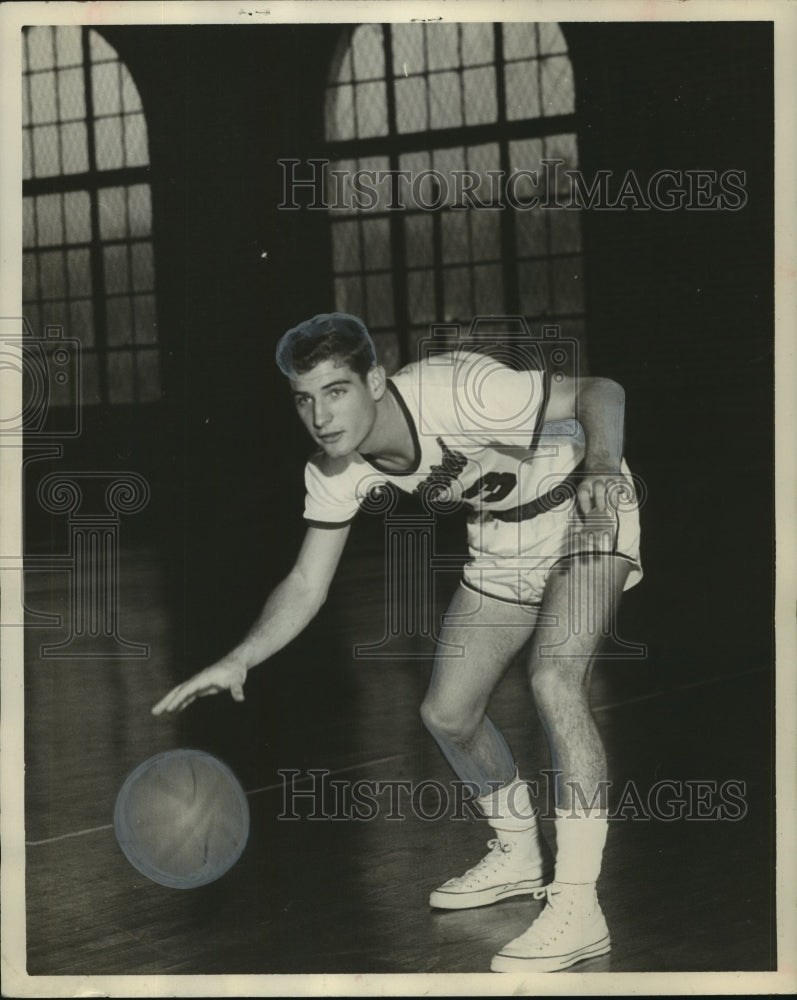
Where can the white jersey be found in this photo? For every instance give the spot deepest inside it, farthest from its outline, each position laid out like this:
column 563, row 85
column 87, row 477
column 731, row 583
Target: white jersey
column 479, row 441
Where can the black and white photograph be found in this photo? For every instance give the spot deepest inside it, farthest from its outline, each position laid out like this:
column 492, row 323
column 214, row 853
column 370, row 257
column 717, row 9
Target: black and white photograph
column 397, row 552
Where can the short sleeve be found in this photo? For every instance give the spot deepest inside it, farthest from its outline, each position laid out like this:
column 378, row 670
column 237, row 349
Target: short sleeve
column 330, row 500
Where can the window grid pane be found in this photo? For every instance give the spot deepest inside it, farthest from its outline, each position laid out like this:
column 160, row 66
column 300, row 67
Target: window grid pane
column 346, row 251
column 79, row 273
column 522, row 92
column 458, row 293
column 68, row 48
column 379, row 299
column 121, row 373
column 116, row 268
column 74, row 148
column 81, row 321
column 340, row 113
column 39, row 49
column 455, row 262
column 412, row 104
column 445, row 92
column 141, row 266
column 368, row 54
column 408, row 54
column 77, row 218
column 480, row 98
column 420, row 285
column 551, row 39
column 520, row 41
column 119, row 314
column 139, row 210
column 109, row 143
column 418, row 239
column 350, row 296
column 376, row 244
column 121, row 359
column 478, row 44
column 135, row 134
column 556, row 82
column 72, row 99
column 370, row 109
column 442, row 46
column 42, row 97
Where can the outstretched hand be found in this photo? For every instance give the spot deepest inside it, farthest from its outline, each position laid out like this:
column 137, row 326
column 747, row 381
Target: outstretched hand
column 226, row 675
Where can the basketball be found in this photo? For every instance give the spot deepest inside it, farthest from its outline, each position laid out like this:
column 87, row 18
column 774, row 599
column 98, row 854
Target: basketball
column 182, row 818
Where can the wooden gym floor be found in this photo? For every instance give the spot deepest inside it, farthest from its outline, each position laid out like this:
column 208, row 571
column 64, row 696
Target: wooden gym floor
column 337, row 896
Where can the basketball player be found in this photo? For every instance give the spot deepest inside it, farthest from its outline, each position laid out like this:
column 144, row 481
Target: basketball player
column 546, row 573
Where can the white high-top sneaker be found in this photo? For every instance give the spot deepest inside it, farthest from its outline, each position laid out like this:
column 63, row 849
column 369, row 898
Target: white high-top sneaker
column 570, row 929
column 518, row 862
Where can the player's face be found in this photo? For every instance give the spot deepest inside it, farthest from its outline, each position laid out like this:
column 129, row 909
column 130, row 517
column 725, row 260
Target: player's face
column 336, row 406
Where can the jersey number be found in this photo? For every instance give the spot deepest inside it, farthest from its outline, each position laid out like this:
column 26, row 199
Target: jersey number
column 492, row 487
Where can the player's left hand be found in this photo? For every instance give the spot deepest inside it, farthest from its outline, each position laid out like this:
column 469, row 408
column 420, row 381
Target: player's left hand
column 600, row 493
column 598, row 496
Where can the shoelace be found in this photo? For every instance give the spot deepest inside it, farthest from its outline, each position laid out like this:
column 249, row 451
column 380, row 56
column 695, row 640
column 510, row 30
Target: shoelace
column 496, row 847
column 546, row 892
column 549, row 925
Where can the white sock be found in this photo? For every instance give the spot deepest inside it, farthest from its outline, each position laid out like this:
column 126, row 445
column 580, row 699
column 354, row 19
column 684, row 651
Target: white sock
column 580, row 839
column 509, row 808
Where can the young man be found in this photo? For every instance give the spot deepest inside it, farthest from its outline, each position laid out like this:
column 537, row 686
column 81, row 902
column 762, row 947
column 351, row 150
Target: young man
column 546, row 571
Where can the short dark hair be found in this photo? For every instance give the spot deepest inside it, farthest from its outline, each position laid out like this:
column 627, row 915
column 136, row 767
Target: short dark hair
column 336, row 335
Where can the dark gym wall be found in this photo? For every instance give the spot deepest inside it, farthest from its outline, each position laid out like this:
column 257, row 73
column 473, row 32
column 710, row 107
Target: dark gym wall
column 679, row 310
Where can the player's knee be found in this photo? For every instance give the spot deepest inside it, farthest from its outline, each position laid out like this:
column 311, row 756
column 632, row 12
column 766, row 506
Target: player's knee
column 441, row 721
column 554, row 677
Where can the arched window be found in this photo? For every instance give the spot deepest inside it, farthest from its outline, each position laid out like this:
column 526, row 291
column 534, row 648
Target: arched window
column 456, row 106
column 87, row 225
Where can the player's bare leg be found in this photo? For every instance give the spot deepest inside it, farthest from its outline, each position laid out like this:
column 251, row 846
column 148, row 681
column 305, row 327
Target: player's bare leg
column 490, row 633
column 581, row 597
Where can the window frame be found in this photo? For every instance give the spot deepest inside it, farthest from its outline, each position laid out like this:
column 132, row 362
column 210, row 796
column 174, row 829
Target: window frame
column 91, row 181
column 502, row 132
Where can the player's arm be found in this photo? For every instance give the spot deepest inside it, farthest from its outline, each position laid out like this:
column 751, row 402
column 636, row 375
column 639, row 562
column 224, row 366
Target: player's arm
column 290, row 607
column 599, row 406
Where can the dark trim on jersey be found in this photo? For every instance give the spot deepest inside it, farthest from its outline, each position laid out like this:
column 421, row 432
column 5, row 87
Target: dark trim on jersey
column 413, row 431
column 546, row 392
column 328, row 524
column 495, row 597
column 549, row 501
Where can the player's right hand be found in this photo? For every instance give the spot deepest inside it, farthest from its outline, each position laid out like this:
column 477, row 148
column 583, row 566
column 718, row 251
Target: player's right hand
column 228, row 674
